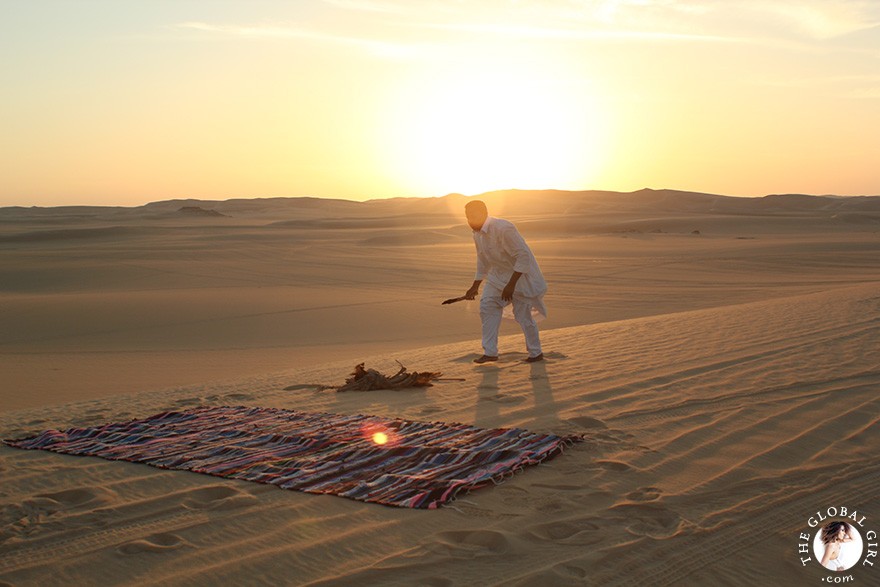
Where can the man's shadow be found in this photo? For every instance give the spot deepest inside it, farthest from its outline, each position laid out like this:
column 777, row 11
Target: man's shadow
column 487, row 411
column 490, row 399
column 545, row 410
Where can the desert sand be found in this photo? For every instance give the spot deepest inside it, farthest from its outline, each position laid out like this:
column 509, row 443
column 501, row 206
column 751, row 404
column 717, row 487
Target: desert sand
column 718, row 354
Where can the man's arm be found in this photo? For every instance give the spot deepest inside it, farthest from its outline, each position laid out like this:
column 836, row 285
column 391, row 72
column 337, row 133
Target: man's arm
column 474, row 290
column 515, row 246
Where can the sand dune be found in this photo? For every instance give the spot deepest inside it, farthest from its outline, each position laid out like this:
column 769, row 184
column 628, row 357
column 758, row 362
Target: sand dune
column 725, row 383
column 119, row 300
column 711, row 434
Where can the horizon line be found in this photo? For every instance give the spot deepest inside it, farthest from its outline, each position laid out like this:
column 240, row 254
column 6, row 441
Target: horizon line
column 451, row 194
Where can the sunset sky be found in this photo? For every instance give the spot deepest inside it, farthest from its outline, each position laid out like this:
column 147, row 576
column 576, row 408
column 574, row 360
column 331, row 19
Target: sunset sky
column 125, row 102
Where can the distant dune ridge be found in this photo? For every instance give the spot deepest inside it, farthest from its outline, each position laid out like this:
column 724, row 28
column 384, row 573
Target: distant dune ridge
column 717, row 353
column 517, row 201
column 561, row 211
column 198, row 211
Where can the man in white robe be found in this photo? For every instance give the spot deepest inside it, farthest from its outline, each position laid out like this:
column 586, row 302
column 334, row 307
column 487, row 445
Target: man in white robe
column 513, row 278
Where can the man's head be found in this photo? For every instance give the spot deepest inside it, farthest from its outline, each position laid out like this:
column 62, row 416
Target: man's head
column 476, row 213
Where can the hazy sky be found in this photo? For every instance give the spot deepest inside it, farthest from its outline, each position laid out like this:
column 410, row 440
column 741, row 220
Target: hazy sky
column 129, row 101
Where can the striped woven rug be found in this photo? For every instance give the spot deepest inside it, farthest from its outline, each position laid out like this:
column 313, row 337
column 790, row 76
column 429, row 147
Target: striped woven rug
column 394, row 462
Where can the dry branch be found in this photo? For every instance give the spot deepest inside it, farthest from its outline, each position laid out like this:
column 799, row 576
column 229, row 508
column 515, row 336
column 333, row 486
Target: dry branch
column 369, row 379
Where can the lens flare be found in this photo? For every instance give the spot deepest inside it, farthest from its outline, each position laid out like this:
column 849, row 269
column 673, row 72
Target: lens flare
column 379, row 434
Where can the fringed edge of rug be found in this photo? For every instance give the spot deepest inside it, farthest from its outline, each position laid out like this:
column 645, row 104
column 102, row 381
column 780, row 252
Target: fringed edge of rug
column 565, row 442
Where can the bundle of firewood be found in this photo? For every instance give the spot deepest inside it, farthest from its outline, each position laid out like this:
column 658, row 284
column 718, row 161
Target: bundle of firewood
column 369, row 379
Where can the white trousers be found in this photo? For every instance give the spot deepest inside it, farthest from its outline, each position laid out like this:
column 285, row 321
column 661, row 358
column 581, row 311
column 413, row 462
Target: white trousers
column 491, row 310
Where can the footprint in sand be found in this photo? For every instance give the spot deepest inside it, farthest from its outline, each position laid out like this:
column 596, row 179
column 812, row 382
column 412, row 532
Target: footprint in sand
column 81, row 497
column 579, row 532
column 551, row 506
column 32, row 513
column 610, row 466
column 547, row 503
column 648, row 519
column 13, row 518
column 34, row 508
column 569, row 571
column 217, row 497
column 155, row 543
column 470, row 543
column 239, row 396
column 644, row 494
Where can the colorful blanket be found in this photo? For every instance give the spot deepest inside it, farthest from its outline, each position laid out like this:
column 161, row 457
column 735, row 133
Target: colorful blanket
column 395, row 462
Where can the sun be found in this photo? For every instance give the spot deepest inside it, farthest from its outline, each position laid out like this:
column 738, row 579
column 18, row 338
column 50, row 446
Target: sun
column 485, row 128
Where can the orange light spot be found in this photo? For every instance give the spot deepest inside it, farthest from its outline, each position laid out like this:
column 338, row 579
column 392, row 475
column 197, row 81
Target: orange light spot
column 380, row 438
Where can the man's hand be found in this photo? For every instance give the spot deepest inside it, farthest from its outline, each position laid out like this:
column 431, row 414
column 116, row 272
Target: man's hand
column 507, row 292
column 472, row 292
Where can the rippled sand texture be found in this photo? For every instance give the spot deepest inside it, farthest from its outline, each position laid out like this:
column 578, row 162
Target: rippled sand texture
column 726, row 383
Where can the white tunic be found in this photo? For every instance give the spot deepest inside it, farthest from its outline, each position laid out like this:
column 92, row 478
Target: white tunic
column 501, row 250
